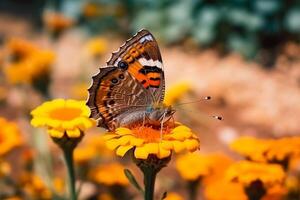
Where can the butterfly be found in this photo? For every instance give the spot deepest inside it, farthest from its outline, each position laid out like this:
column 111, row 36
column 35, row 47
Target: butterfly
column 130, row 88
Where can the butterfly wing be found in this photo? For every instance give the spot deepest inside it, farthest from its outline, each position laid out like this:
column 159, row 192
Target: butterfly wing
column 114, row 92
column 141, row 57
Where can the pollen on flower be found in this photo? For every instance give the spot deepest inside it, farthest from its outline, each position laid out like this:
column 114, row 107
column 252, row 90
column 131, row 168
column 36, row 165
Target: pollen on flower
column 146, row 140
column 150, row 134
column 65, row 113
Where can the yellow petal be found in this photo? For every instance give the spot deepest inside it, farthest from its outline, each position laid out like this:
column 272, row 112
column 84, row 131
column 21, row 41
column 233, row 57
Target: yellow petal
column 163, row 153
column 109, row 136
column 124, row 140
column 112, row 144
column 123, row 131
column 180, row 129
column 140, row 153
column 136, row 141
column 151, row 148
column 178, row 146
column 181, row 135
column 75, row 133
column 55, row 133
column 192, row 145
column 168, row 145
column 122, row 150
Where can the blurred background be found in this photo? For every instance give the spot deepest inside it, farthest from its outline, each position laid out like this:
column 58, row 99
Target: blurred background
column 245, row 54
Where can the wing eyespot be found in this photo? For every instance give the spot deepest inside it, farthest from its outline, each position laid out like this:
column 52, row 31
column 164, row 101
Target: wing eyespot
column 114, row 81
column 121, row 76
column 123, row 65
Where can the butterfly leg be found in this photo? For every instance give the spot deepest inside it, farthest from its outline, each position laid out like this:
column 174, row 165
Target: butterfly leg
column 162, row 125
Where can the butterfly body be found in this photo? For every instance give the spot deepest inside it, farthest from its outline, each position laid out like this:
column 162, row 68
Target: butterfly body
column 130, row 89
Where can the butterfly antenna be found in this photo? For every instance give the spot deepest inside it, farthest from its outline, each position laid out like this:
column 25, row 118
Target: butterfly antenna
column 202, row 99
column 220, row 118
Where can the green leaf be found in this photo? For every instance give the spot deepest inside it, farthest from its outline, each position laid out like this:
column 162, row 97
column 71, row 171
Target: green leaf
column 132, row 180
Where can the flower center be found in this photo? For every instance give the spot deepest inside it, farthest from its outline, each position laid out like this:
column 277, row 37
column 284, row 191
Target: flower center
column 65, row 113
column 149, row 134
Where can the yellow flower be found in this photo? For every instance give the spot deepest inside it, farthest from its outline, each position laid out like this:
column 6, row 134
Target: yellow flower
column 268, row 150
column 92, row 147
column 174, row 93
column 10, row 136
column 5, row 168
column 252, row 148
column 109, row 174
column 84, row 154
column 79, row 91
column 246, row 172
column 201, row 163
column 283, row 148
column 145, row 140
column 96, row 46
column 34, row 186
column 219, row 164
column 57, row 22
column 30, row 68
column 173, row 196
column 224, row 190
column 20, row 48
column 62, row 117
column 277, row 192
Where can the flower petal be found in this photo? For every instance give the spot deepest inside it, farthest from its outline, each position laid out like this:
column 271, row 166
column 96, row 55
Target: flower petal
column 75, row 133
column 112, row 144
column 141, row 153
column 56, row 133
column 122, row 150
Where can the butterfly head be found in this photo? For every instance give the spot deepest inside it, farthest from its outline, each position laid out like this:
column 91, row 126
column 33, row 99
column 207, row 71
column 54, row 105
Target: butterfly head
column 159, row 113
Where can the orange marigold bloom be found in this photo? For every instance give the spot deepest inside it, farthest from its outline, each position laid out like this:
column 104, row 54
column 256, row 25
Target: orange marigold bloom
column 109, row 174
column 175, row 92
column 30, row 68
column 93, row 146
column 246, row 172
column 10, row 136
column 283, row 148
column 5, row 168
column 20, row 48
column 201, row 163
column 57, row 22
column 252, row 148
column 173, row 196
column 34, row 186
column 224, row 190
column 145, row 140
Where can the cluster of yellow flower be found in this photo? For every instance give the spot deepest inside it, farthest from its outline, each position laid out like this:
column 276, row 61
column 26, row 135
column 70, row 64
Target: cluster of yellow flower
column 26, row 62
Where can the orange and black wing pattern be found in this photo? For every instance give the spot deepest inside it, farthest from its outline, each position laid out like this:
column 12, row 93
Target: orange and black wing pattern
column 140, row 56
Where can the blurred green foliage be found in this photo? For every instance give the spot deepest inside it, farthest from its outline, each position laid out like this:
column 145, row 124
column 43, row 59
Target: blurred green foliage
column 243, row 26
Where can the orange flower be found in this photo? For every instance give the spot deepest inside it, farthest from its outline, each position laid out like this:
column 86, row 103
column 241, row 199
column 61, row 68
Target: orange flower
column 251, row 148
column 145, row 140
column 57, row 22
column 20, row 48
column 109, row 174
column 173, row 196
column 224, row 190
column 246, row 172
column 200, row 162
column 10, row 136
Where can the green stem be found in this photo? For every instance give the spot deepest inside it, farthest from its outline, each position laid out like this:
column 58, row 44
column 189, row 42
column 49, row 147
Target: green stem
column 192, row 188
column 149, row 181
column 68, row 154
